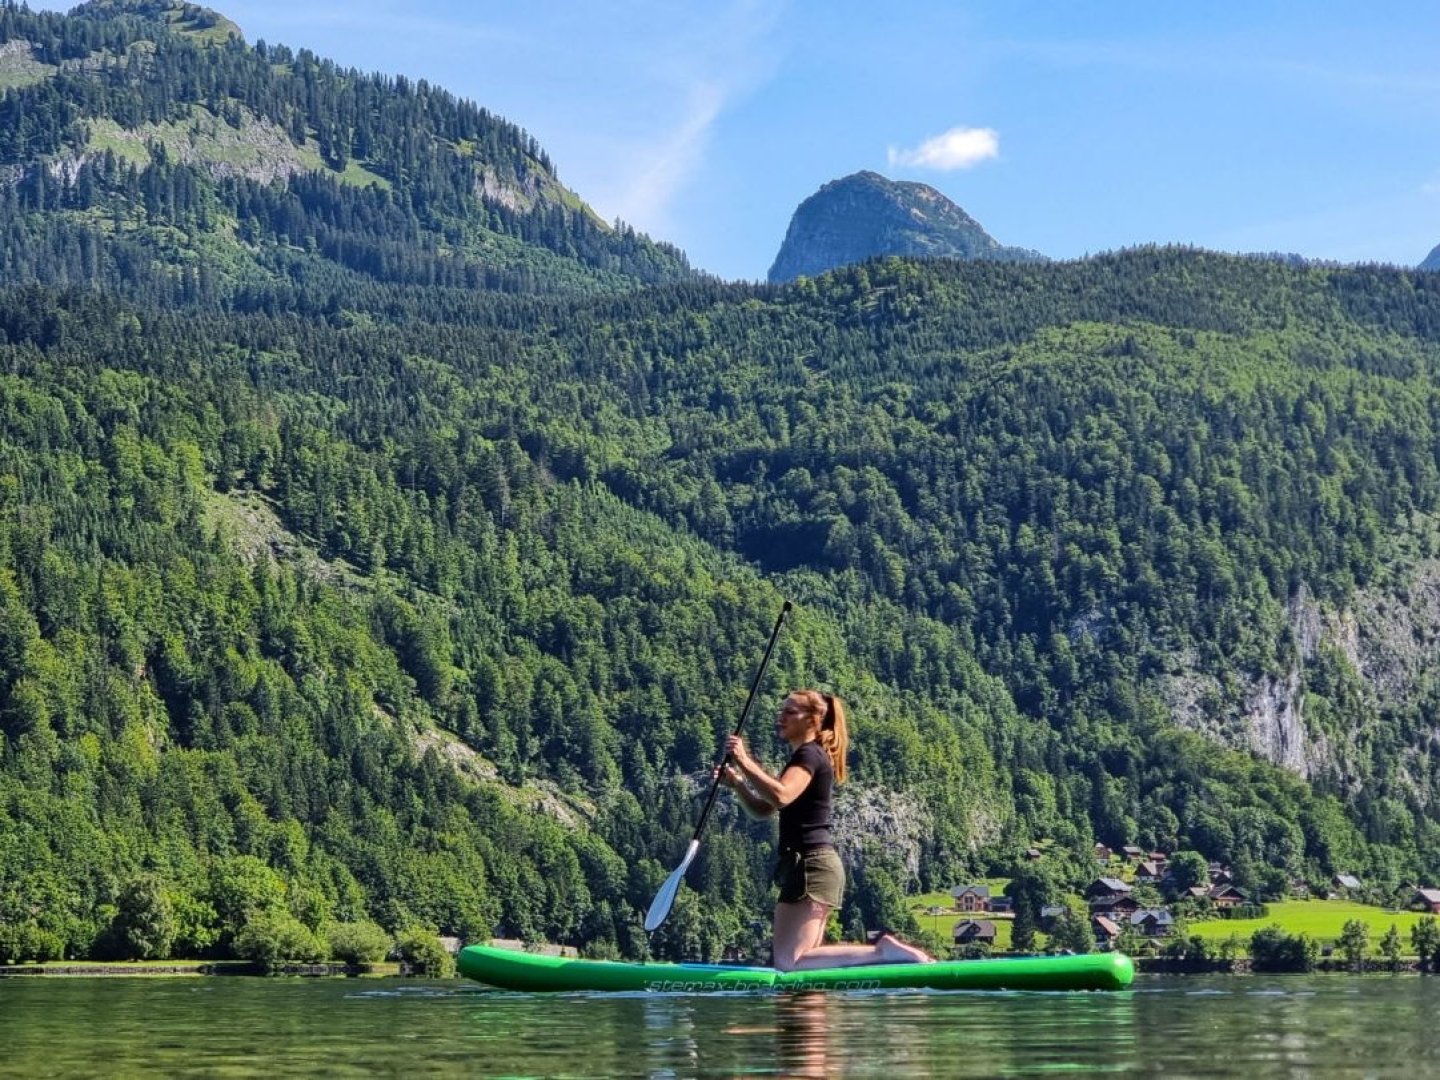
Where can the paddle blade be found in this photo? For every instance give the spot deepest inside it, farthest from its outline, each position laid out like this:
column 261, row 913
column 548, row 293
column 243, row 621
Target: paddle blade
column 660, row 906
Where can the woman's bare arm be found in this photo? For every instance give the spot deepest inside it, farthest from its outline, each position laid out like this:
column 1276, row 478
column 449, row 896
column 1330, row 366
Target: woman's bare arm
column 750, row 800
column 778, row 791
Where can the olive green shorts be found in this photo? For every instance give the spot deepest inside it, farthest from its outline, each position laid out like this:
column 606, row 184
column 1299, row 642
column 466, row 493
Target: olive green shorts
column 816, row 875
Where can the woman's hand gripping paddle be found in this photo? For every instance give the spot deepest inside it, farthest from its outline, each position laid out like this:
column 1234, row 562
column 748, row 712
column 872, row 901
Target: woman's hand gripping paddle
column 660, row 906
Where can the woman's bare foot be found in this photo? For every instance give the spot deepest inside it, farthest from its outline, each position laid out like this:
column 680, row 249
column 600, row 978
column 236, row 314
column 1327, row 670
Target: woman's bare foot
column 895, row 951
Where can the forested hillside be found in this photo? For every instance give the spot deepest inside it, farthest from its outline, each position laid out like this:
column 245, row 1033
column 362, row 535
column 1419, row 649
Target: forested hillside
column 143, row 147
column 430, row 605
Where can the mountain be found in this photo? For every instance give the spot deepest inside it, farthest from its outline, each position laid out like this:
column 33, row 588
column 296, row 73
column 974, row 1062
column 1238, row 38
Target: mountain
column 864, row 215
column 1432, row 261
column 338, row 589
column 145, row 144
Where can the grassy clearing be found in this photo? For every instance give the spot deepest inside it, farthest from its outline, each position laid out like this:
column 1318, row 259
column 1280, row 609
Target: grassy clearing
column 257, row 148
column 19, row 68
column 924, row 901
column 943, row 925
column 358, row 175
column 193, row 27
column 1321, row 919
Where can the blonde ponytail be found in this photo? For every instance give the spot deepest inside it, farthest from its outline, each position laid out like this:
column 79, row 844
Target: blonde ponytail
column 834, row 733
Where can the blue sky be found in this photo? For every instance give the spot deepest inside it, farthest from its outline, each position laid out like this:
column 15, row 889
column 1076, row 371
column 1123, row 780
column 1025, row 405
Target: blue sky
column 1068, row 127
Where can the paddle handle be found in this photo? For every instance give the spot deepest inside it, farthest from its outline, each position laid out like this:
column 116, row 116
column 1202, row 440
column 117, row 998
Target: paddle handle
column 744, row 713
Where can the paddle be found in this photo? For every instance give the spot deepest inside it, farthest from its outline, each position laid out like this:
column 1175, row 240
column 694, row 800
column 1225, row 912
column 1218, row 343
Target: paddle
column 660, row 906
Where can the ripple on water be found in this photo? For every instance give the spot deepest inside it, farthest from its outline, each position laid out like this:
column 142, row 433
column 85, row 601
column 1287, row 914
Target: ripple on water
column 1193, row 1026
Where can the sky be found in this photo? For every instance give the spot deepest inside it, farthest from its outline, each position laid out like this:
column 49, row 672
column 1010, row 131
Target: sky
column 1299, row 126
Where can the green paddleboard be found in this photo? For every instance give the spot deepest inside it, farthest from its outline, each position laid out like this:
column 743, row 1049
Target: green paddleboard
column 512, row 970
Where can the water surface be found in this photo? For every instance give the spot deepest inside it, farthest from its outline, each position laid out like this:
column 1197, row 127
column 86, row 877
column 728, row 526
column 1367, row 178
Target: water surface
column 1296, row 1026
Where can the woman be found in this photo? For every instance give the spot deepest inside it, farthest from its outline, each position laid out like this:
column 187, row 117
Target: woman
column 809, row 872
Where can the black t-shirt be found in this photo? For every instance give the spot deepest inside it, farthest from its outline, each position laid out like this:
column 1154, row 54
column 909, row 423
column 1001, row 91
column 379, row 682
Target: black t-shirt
column 805, row 823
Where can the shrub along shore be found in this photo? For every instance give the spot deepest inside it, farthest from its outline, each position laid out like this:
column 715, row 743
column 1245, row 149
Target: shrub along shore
column 206, row 967
column 1145, row 965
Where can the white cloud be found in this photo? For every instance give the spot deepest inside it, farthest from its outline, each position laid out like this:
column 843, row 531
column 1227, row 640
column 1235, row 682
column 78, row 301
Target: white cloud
column 662, row 167
column 685, row 73
column 958, row 148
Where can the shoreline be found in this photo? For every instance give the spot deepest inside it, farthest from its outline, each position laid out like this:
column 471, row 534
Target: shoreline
column 195, row 968
column 391, row 970
column 379, row 969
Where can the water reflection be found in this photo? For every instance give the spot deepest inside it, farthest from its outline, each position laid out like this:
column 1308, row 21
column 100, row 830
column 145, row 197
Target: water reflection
column 1005, row 1034
column 816, row 1035
column 802, row 1034
column 796, row 1044
column 1256, row 1027
column 671, row 1035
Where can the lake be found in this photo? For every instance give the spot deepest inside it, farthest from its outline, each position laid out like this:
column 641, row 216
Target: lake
column 1171, row 1026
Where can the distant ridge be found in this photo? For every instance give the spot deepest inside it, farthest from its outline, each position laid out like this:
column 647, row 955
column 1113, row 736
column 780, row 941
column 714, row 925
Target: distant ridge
column 145, row 146
column 1432, row 261
column 865, row 214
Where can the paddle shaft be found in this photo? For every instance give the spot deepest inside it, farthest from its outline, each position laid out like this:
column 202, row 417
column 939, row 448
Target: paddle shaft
column 744, row 713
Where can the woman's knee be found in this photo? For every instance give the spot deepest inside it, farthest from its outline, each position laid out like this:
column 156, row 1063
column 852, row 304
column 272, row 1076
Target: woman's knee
column 786, row 958
column 799, row 927
column 786, row 948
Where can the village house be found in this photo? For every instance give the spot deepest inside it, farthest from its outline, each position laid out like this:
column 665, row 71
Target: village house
column 1102, row 853
column 1148, row 873
column 1115, row 906
column 1346, row 883
column 1001, row 905
column 1220, row 875
column 1427, row 900
column 1227, row 896
column 971, row 897
column 1153, row 922
column 1132, row 853
column 974, row 932
column 1106, row 888
column 1106, row 931
column 1051, row 914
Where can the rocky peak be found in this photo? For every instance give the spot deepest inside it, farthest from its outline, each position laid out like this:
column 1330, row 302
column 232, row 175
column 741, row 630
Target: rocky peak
column 864, row 215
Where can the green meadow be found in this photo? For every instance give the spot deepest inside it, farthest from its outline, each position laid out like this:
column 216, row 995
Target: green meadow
column 943, row 925
column 1321, row 919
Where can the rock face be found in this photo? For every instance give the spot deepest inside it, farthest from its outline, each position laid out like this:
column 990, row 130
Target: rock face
column 1432, row 261
column 1385, row 640
column 864, row 215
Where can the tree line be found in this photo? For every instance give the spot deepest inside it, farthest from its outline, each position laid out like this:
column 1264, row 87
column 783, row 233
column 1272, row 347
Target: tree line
column 346, row 583
column 331, row 611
